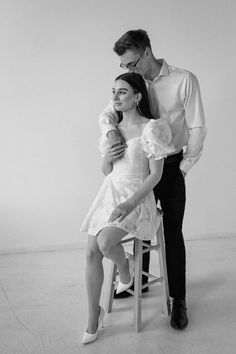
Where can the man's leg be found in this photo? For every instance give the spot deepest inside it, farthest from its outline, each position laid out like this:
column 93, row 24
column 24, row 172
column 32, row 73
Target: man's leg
column 171, row 192
column 173, row 212
column 146, row 261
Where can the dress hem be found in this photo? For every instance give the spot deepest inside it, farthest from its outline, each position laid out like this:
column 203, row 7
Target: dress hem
column 95, row 233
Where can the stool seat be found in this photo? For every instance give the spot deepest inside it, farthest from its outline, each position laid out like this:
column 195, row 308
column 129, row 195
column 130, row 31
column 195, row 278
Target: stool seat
column 141, row 247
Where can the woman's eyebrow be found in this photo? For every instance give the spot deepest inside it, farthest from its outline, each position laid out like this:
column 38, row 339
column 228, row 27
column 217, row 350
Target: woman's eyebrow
column 119, row 89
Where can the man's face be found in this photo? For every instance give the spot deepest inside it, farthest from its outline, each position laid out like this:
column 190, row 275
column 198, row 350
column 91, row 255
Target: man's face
column 134, row 61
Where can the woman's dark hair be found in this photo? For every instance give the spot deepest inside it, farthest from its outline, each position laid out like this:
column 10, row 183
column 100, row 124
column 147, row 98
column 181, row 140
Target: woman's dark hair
column 132, row 40
column 138, row 85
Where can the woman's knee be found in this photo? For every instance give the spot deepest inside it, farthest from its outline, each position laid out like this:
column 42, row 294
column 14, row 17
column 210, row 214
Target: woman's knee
column 93, row 253
column 105, row 245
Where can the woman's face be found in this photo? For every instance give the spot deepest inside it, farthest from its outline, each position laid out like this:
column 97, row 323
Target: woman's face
column 123, row 96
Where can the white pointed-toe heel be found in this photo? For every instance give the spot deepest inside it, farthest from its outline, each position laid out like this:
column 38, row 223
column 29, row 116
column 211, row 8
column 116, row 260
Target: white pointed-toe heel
column 91, row 337
column 121, row 286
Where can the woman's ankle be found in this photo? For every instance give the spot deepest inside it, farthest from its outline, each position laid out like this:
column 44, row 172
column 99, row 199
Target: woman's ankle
column 93, row 321
column 124, row 273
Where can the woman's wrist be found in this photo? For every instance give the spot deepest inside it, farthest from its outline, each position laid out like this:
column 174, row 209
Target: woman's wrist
column 133, row 202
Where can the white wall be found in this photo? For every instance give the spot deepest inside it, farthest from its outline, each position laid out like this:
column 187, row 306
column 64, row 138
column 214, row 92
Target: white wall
column 56, row 71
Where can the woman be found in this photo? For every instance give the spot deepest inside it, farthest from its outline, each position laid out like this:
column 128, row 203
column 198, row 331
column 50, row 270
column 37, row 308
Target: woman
column 125, row 203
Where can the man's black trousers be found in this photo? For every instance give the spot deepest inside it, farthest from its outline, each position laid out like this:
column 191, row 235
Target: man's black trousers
column 170, row 191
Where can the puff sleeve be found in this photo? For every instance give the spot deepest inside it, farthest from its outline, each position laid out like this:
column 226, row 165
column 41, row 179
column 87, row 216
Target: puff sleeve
column 156, row 139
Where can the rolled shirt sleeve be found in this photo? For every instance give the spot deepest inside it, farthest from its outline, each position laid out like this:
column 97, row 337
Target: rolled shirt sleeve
column 195, row 120
column 108, row 119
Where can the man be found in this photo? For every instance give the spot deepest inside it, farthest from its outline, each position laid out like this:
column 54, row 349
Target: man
column 175, row 95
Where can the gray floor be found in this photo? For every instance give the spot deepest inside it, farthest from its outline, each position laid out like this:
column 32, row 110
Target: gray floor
column 43, row 306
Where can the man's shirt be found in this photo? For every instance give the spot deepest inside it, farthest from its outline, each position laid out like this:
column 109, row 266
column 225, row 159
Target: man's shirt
column 174, row 95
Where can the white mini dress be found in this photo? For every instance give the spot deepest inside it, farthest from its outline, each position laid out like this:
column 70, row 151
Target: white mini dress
column 127, row 175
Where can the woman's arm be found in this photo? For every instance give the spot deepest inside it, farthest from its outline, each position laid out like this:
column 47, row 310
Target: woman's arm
column 107, row 166
column 122, row 210
column 156, row 168
column 112, row 153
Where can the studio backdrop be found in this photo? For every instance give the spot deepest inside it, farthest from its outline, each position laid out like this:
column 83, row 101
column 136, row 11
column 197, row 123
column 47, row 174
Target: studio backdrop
column 57, row 69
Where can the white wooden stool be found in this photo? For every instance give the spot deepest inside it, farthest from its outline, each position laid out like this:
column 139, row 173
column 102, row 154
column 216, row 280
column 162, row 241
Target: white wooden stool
column 138, row 257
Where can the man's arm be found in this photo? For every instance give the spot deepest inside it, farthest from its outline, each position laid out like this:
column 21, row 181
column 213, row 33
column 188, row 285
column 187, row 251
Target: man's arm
column 108, row 121
column 195, row 120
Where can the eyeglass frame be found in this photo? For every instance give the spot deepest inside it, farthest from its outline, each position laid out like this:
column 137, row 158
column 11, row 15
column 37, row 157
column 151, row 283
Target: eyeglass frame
column 126, row 66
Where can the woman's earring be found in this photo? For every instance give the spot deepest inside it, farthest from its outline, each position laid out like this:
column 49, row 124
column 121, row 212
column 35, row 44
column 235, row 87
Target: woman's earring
column 138, row 108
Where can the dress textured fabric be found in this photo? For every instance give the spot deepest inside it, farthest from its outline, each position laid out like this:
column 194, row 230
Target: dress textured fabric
column 127, row 175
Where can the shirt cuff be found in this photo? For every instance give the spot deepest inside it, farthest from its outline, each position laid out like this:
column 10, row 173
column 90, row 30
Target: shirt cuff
column 108, row 128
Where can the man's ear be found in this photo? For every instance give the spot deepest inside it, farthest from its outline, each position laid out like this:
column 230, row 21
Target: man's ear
column 148, row 52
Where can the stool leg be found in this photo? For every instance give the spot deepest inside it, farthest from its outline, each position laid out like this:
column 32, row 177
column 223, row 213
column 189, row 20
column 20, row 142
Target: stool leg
column 163, row 270
column 111, row 287
column 138, row 285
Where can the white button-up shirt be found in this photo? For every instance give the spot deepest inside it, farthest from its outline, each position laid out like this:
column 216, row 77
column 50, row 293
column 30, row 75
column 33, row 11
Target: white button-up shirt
column 174, row 95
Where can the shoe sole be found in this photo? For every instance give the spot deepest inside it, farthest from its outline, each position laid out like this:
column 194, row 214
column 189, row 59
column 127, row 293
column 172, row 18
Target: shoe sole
column 178, row 328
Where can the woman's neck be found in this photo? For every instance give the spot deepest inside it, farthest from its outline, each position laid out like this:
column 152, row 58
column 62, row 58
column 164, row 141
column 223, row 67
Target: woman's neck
column 130, row 118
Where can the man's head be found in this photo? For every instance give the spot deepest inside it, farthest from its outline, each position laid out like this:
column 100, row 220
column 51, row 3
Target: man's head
column 135, row 51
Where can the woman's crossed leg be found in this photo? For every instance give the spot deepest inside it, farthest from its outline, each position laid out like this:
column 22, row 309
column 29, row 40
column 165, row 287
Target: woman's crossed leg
column 106, row 244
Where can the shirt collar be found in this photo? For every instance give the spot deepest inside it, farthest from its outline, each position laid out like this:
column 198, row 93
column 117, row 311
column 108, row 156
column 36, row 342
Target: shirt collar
column 164, row 69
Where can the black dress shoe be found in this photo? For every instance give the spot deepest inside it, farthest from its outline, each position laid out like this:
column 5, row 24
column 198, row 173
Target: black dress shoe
column 125, row 294
column 179, row 319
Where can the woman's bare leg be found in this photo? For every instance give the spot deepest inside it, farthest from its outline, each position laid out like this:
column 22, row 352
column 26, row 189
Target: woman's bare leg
column 94, row 281
column 109, row 243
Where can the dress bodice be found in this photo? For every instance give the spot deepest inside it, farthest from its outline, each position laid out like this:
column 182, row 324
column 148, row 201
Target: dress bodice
column 134, row 162
column 154, row 141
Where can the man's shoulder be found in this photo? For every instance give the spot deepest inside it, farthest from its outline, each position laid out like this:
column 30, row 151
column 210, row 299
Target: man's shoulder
column 180, row 72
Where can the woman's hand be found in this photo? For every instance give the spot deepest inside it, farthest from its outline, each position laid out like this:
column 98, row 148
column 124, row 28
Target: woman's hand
column 114, row 152
column 121, row 211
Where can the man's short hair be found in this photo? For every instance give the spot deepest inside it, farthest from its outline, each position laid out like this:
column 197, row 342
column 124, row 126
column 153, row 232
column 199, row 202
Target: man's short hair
column 132, row 40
